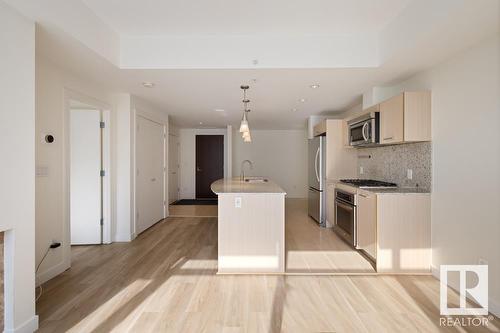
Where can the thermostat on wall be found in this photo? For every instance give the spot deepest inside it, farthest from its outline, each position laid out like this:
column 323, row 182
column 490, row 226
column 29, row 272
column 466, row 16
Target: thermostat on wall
column 48, row 138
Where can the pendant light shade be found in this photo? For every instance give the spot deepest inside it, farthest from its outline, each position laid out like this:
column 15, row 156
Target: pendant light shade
column 244, row 123
column 244, row 127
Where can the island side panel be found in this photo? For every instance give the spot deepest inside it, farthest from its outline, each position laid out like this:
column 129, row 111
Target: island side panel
column 251, row 238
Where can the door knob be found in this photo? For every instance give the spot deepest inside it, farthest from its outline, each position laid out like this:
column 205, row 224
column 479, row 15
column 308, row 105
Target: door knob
column 198, row 169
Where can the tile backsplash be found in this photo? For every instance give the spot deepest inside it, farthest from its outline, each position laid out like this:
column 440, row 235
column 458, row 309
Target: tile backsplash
column 390, row 163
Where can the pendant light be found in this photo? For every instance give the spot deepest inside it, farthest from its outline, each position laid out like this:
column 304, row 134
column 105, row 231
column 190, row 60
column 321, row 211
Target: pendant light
column 244, row 127
column 244, row 123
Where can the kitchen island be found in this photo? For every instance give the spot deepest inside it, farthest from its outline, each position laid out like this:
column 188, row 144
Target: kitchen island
column 251, row 226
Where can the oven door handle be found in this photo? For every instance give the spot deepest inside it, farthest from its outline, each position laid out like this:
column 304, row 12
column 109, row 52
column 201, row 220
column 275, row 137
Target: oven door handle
column 364, row 131
column 346, row 205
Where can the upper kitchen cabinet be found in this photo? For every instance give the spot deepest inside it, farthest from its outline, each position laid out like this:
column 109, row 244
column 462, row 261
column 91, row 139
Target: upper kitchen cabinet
column 406, row 118
column 320, row 129
column 341, row 162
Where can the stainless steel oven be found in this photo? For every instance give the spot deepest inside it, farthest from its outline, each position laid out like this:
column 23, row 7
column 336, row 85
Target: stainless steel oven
column 345, row 216
column 364, row 130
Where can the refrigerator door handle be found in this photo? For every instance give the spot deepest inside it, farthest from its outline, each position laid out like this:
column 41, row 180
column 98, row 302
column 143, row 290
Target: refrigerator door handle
column 316, row 164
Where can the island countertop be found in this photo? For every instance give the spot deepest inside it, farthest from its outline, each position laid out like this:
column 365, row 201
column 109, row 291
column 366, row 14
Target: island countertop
column 235, row 185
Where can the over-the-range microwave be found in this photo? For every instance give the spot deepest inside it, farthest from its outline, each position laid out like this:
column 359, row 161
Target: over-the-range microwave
column 364, row 130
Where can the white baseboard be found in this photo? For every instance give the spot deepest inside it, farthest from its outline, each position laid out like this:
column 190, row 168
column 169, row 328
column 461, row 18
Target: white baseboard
column 123, row 238
column 435, row 272
column 29, row 326
column 493, row 305
column 52, row 272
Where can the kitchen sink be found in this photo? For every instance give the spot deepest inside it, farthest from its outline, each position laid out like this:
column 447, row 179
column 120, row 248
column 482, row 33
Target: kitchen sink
column 256, row 180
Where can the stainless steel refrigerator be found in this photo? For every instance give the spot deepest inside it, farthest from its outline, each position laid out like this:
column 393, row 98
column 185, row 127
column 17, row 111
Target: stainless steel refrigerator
column 317, row 179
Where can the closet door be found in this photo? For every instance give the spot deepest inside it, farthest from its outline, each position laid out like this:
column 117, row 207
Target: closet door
column 173, row 168
column 150, row 158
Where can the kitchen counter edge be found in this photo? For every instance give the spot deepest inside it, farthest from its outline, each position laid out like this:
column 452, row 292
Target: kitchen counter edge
column 235, row 185
column 397, row 190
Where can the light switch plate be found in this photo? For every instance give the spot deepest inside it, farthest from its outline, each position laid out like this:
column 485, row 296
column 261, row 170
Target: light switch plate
column 409, row 173
column 237, row 202
column 361, row 170
column 42, row 171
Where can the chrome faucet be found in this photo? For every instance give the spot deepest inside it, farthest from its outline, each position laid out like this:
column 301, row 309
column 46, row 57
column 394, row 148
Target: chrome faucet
column 242, row 173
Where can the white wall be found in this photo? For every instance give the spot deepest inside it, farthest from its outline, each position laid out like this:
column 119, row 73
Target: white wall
column 53, row 86
column 280, row 155
column 17, row 179
column 353, row 111
column 466, row 159
column 187, row 155
column 121, row 174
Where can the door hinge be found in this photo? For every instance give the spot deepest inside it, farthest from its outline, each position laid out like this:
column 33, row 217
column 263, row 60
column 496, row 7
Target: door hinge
column 102, row 221
column 102, row 124
column 102, row 173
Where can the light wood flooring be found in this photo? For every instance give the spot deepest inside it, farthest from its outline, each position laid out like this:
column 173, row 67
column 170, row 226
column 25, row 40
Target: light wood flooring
column 309, row 248
column 192, row 210
column 312, row 249
column 165, row 281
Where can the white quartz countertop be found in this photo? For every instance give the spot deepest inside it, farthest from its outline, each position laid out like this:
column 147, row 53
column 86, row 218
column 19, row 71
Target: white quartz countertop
column 235, row 185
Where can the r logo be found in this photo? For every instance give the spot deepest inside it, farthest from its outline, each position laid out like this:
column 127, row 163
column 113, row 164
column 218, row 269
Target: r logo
column 479, row 292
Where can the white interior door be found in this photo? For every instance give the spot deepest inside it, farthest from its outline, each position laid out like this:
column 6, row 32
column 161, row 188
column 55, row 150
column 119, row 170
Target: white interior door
column 85, row 180
column 173, row 168
column 150, row 173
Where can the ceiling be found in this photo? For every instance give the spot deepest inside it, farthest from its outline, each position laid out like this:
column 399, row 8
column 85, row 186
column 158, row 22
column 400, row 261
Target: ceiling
column 241, row 17
column 109, row 42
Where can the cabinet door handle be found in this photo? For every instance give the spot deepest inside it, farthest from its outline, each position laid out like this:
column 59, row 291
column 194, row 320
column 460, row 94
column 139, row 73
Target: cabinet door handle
column 362, row 195
column 388, row 138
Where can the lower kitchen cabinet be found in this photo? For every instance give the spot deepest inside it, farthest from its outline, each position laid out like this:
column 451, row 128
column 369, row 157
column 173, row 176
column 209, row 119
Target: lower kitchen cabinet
column 367, row 223
column 403, row 233
column 392, row 228
column 330, row 204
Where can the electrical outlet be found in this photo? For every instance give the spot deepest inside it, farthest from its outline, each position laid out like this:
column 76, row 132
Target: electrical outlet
column 237, row 202
column 409, row 173
column 361, row 170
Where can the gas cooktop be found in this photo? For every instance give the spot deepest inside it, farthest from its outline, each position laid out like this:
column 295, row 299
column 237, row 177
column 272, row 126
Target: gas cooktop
column 368, row 183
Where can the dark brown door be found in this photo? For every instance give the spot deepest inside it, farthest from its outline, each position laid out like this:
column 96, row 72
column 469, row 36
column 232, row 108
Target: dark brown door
column 209, row 163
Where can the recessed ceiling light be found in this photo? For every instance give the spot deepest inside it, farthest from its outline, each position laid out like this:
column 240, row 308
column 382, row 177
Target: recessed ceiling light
column 302, row 100
column 148, row 84
column 219, row 110
column 294, row 109
column 201, row 123
column 314, row 86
